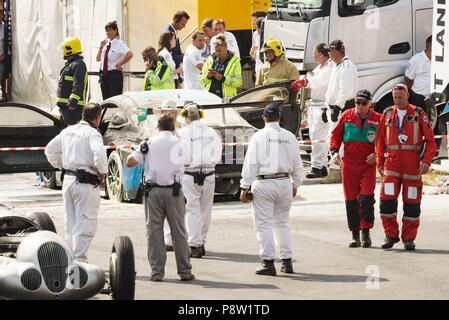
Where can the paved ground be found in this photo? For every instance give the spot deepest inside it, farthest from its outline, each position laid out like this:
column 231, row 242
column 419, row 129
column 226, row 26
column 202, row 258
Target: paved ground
column 325, row 268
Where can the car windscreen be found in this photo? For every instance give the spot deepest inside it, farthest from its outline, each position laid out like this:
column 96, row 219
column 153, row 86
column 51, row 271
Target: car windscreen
column 14, row 116
column 276, row 94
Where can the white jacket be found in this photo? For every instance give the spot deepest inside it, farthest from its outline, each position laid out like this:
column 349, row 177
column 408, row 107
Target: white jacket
column 78, row 147
column 205, row 145
column 272, row 150
column 343, row 84
column 319, row 80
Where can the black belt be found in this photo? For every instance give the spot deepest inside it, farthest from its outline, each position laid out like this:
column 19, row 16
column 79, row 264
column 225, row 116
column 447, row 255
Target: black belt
column 82, row 176
column 273, row 176
column 199, row 176
column 175, row 186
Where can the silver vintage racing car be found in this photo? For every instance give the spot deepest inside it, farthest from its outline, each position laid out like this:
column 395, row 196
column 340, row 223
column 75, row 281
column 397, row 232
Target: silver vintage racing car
column 36, row 263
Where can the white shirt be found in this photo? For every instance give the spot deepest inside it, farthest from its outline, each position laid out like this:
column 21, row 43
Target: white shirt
column 401, row 115
column 168, row 58
column 256, row 43
column 272, row 150
column 205, row 145
column 319, row 81
column 418, row 70
column 192, row 59
column 165, row 159
column 116, row 54
column 230, row 40
column 343, row 84
column 78, row 147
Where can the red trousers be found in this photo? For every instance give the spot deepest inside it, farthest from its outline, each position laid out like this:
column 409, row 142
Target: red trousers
column 359, row 182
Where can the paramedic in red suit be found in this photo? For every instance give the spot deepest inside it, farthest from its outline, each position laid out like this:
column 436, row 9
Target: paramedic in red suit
column 356, row 129
column 403, row 132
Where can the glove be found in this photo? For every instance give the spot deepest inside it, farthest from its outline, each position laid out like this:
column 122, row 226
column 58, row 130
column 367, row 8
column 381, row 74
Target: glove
column 298, row 84
column 335, row 113
column 324, row 115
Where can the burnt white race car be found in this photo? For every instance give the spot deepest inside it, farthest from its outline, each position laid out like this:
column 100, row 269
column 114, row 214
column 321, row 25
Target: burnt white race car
column 36, row 263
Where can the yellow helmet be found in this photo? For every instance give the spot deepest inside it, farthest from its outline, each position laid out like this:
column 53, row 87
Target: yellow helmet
column 272, row 44
column 71, row 46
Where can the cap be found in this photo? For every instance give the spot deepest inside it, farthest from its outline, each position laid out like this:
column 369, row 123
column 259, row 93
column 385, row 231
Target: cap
column 272, row 111
column 336, row 44
column 191, row 110
column 167, row 105
column 364, row 95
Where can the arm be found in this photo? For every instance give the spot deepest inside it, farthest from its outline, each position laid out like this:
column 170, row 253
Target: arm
column 131, row 162
column 379, row 144
column 53, row 152
column 409, row 82
column 79, row 85
column 103, row 43
column 235, row 78
column 125, row 60
column 429, row 138
column 410, row 73
column 259, row 78
column 250, row 165
column 204, row 80
column 294, row 73
column 99, row 151
column 321, row 80
column 346, row 88
column 135, row 159
column 297, row 166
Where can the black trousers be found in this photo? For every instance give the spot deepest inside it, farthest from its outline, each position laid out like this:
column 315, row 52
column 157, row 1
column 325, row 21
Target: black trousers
column 112, row 84
column 417, row 100
column 70, row 117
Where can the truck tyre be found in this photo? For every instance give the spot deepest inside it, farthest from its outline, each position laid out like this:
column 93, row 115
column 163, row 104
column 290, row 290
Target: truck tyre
column 44, row 221
column 122, row 274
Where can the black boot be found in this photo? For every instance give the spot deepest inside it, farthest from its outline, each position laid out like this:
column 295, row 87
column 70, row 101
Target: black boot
column 287, row 266
column 409, row 245
column 267, row 268
column 324, row 171
column 315, row 173
column 389, row 242
column 366, row 239
column 355, row 243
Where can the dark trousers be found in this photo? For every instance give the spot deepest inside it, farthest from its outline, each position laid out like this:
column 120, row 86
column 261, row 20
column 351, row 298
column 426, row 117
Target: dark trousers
column 112, row 84
column 70, row 117
column 417, row 100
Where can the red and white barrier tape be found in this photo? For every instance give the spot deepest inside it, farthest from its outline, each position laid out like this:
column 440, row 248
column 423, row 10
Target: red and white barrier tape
column 237, row 144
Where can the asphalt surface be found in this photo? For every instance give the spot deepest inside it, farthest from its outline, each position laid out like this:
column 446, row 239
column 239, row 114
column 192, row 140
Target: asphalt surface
column 325, row 268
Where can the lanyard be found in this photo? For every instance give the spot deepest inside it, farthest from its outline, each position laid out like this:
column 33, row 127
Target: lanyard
column 396, row 123
column 362, row 121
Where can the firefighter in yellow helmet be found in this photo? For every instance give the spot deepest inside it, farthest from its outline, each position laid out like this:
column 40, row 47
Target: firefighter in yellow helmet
column 72, row 88
column 276, row 67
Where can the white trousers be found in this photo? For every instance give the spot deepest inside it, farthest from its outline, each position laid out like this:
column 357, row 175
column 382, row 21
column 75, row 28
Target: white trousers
column 200, row 200
column 271, row 210
column 82, row 204
column 318, row 130
column 332, row 126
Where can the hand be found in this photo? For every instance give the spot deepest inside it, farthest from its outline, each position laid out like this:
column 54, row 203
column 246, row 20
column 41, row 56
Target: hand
column 324, row 115
column 424, row 168
column 218, row 76
column 102, row 177
column 336, row 159
column 178, row 71
column 295, row 191
column 119, row 67
column 381, row 171
column 371, row 159
column 103, row 43
column 2, row 58
column 72, row 108
column 211, row 73
column 298, row 84
column 243, row 196
column 335, row 113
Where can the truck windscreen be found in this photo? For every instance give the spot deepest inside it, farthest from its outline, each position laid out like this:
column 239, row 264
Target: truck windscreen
column 298, row 10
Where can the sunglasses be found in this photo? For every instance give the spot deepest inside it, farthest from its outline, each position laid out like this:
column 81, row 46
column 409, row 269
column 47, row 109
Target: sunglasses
column 400, row 88
column 363, row 103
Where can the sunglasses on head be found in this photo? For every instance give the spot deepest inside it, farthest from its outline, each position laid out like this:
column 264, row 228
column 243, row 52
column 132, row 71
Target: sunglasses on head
column 363, row 103
column 399, row 88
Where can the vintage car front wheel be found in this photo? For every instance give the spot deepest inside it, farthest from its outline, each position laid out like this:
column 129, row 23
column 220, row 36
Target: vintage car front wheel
column 44, row 221
column 114, row 180
column 122, row 274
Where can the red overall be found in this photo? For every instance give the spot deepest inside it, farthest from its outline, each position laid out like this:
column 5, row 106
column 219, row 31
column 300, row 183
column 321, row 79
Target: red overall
column 398, row 152
column 358, row 177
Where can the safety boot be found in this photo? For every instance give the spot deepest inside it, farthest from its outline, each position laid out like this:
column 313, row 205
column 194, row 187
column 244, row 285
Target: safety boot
column 169, row 248
column 366, row 239
column 196, row 252
column 315, row 173
column 287, row 266
column 324, row 171
column 409, row 245
column 355, row 242
column 334, row 176
column 203, row 250
column 267, row 268
column 389, row 242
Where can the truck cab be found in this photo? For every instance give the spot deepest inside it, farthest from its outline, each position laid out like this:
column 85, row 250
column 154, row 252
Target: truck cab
column 380, row 36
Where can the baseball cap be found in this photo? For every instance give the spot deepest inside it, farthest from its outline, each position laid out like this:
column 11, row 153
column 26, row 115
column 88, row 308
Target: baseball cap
column 364, row 95
column 336, row 44
column 191, row 110
column 272, row 111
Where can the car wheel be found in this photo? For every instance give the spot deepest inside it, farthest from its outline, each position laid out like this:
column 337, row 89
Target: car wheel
column 122, row 275
column 44, row 221
column 114, row 180
column 49, row 179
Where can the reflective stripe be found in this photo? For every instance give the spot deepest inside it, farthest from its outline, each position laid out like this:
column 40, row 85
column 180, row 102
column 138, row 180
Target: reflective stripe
column 416, row 129
column 410, row 177
column 388, row 128
column 393, row 215
column 410, row 219
column 402, row 147
column 81, row 103
column 392, row 173
column 393, row 147
column 74, row 96
column 69, row 78
column 63, row 100
column 273, row 80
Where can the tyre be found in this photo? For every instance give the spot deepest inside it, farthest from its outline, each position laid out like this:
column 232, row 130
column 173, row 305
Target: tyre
column 114, row 180
column 49, row 179
column 44, row 221
column 122, row 275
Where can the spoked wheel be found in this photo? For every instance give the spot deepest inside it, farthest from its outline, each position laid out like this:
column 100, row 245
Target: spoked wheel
column 122, row 274
column 114, row 180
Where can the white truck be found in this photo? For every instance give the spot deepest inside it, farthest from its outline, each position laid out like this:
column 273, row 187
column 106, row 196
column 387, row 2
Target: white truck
column 380, row 36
